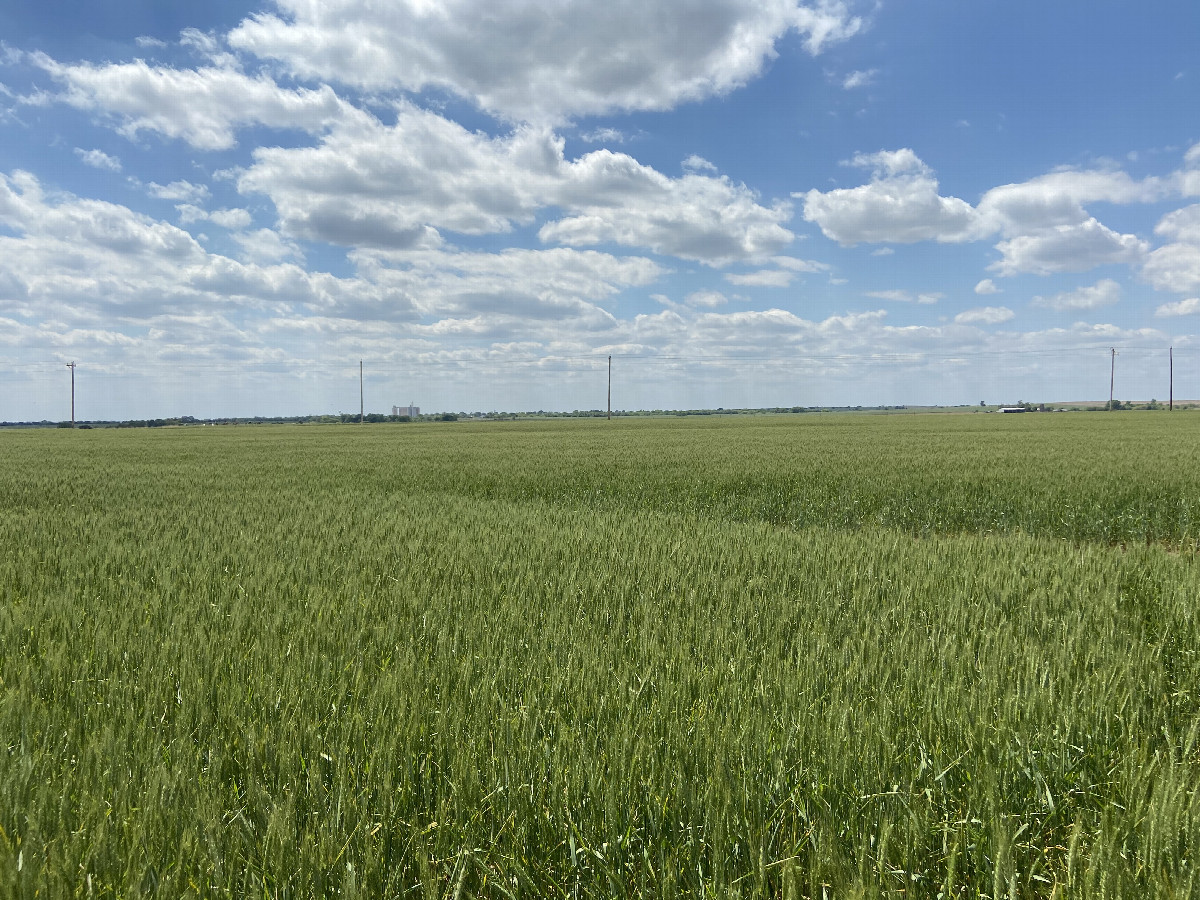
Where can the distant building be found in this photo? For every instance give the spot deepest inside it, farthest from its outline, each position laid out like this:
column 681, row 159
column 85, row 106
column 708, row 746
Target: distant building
column 411, row 411
column 1007, row 409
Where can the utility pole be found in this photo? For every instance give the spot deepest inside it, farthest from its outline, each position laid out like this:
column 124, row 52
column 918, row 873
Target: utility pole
column 360, row 393
column 610, row 388
column 1171, row 370
column 71, row 366
column 1112, row 376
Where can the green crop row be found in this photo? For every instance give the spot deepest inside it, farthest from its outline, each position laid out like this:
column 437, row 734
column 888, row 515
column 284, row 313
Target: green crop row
column 575, row 660
column 1082, row 477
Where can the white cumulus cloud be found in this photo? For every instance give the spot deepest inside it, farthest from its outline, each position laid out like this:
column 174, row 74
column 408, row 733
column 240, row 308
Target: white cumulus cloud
column 900, row 205
column 1188, row 307
column 542, row 60
column 1105, row 292
column 761, row 278
column 367, row 184
column 505, row 288
column 1044, row 222
column 706, row 299
column 1181, row 225
column 233, row 219
column 696, row 163
column 264, row 246
column 1068, row 248
column 200, row 106
column 1059, row 198
column 1176, row 265
column 98, row 159
column 900, row 296
column 183, row 191
column 984, row 315
column 794, row 264
column 858, row 79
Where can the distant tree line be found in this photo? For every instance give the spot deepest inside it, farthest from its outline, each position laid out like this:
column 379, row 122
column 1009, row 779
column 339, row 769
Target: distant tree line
column 381, row 418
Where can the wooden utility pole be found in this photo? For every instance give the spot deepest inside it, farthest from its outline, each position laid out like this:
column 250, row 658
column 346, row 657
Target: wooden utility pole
column 71, row 366
column 610, row 388
column 1171, row 371
column 360, row 393
column 1112, row 376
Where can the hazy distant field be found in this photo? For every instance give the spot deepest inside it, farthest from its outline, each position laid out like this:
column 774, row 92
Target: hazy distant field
column 800, row 656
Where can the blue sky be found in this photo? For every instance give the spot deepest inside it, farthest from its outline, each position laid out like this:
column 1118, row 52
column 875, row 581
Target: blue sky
column 221, row 210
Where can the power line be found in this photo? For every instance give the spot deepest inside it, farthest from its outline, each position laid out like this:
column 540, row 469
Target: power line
column 1112, row 377
column 598, row 359
column 71, row 366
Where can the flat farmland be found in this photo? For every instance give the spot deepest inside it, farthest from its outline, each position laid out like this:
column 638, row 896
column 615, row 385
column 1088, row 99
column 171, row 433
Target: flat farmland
column 794, row 656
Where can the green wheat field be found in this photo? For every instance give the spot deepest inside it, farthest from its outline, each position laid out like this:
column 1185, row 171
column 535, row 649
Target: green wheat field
column 810, row 656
